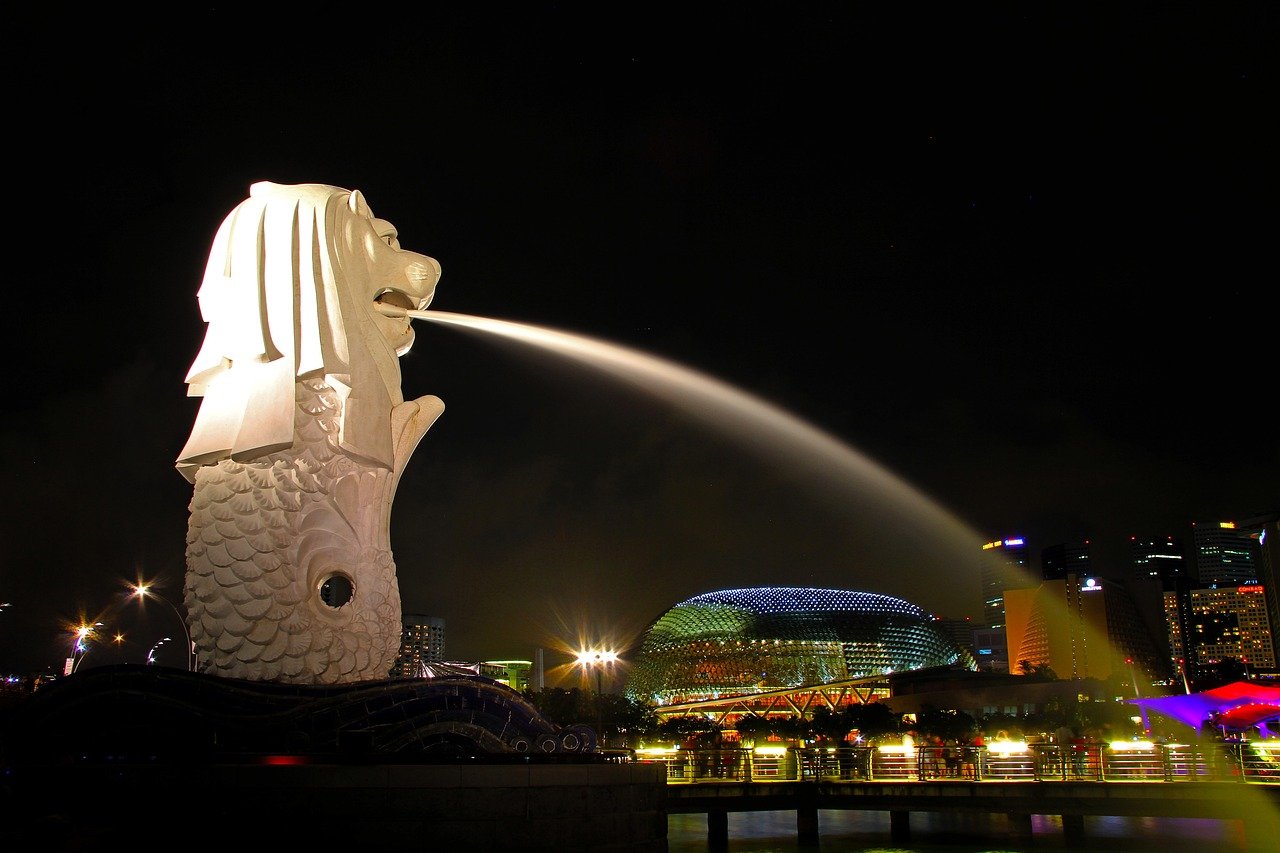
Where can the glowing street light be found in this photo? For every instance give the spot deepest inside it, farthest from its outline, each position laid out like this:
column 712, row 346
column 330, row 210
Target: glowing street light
column 151, row 655
column 142, row 590
column 81, row 635
column 597, row 660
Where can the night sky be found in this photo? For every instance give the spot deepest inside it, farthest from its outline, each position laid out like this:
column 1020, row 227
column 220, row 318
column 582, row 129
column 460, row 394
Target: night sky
column 1020, row 258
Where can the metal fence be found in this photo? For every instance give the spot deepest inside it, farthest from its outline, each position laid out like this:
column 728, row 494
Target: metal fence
column 1136, row 761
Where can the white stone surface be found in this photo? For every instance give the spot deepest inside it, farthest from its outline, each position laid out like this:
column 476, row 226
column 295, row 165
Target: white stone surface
column 301, row 437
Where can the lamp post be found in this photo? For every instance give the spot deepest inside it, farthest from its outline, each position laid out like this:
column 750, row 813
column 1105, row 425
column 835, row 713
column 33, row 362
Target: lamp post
column 142, row 590
column 80, row 645
column 598, row 660
column 151, row 655
column 1133, row 676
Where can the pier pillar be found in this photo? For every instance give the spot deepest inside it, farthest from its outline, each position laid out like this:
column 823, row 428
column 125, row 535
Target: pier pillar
column 718, row 829
column 1261, row 831
column 807, row 824
column 900, row 826
column 1020, row 826
column 1073, row 830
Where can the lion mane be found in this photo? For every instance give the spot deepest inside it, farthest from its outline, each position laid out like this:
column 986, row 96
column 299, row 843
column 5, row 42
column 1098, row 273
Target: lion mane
column 289, row 293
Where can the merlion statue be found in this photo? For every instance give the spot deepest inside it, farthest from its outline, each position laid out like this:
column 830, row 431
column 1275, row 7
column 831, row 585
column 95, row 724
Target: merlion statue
column 301, row 437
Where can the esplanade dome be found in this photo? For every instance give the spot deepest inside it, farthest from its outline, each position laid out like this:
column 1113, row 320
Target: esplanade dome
column 742, row 641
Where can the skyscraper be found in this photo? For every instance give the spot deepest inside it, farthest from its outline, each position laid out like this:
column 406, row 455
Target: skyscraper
column 1265, row 530
column 1005, row 568
column 1224, row 554
column 1069, row 558
column 1082, row 627
column 1160, row 559
column 1231, row 623
column 421, row 643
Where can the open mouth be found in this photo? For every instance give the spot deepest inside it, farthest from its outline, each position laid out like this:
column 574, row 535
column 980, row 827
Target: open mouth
column 393, row 303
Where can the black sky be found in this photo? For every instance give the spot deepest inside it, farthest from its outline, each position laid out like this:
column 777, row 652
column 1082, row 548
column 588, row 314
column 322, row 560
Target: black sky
column 1021, row 256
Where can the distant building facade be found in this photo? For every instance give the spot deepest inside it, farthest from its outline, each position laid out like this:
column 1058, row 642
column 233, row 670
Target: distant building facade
column 1162, row 559
column 1070, row 558
column 421, row 644
column 1225, row 555
column 1081, row 628
column 1005, row 567
column 1231, row 623
column 1265, row 530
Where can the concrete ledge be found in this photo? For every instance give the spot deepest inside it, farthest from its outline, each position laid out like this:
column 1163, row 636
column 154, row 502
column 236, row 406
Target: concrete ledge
column 587, row 807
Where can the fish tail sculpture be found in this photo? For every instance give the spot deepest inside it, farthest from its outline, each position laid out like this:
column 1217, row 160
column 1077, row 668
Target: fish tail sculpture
column 301, row 437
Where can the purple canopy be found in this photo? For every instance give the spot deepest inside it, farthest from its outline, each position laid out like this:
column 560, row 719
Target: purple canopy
column 1235, row 706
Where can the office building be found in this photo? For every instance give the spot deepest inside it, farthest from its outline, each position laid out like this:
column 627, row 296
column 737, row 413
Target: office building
column 421, row 644
column 1224, row 554
column 1265, row 530
column 1230, row 623
column 1082, row 628
column 1162, row 559
column 513, row 673
column 1005, row 567
column 1070, row 558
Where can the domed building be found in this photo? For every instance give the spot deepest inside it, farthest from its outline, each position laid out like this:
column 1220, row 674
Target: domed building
column 757, row 640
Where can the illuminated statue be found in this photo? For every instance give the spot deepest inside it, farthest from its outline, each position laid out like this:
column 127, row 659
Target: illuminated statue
column 301, row 437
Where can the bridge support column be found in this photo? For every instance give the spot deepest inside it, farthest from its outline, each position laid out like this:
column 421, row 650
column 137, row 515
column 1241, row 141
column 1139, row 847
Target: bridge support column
column 1020, row 826
column 807, row 824
column 900, row 826
column 1073, row 830
column 1261, row 831
column 718, row 829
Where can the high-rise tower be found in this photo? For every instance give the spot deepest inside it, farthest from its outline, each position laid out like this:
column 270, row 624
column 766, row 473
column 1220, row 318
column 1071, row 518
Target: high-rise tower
column 1225, row 555
column 1068, row 558
column 1004, row 568
column 421, row 643
column 1159, row 559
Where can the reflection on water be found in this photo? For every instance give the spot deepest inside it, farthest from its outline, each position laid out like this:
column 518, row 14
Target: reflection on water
column 936, row 832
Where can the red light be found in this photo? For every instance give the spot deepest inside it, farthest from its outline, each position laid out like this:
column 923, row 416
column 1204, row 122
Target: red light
column 283, row 759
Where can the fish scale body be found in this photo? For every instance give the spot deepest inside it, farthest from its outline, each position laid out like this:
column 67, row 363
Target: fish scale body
column 264, row 536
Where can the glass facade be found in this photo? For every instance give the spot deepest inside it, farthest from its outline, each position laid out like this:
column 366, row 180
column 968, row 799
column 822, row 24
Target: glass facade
column 742, row 641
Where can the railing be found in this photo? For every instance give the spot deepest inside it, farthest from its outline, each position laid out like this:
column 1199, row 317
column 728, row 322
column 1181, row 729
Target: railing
column 1138, row 761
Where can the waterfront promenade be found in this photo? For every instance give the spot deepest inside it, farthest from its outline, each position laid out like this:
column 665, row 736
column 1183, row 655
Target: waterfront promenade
column 1232, row 782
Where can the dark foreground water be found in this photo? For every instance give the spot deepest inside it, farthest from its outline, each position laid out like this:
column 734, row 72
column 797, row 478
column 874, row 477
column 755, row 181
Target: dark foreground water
column 935, row 832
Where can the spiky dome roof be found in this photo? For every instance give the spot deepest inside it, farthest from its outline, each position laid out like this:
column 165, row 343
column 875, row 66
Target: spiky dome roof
column 754, row 639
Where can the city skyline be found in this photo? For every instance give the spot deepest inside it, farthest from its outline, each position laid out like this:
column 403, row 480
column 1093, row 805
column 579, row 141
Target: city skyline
column 1012, row 265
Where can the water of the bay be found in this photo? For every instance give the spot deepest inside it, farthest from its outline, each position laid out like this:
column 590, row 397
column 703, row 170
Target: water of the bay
column 936, row 832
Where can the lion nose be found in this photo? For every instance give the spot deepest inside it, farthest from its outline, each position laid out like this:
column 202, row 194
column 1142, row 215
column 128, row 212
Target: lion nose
column 423, row 274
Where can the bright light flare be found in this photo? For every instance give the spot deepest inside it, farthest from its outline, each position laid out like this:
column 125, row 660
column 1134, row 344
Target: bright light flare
column 1132, row 745
column 1005, row 748
column 596, row 658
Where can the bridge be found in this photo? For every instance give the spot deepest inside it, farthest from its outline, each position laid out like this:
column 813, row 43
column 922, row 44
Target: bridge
column 1166, row 780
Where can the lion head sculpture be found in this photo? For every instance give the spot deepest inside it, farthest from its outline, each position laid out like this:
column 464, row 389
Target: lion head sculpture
column 300, row 438
column 290, row 291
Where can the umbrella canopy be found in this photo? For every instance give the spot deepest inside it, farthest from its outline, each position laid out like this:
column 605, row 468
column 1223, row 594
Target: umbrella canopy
column 1238, row 705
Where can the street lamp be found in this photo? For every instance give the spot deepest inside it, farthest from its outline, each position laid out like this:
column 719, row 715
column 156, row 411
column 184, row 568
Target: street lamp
column 142, row 590
column 80, row 645
column 598, row 660
column 151, row 655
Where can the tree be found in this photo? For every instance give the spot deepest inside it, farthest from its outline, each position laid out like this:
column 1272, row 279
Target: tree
column 946, row 724
column 874, row 720
column 1039, row 671
column 681, row 729
column 752, row 728
column 832, row 725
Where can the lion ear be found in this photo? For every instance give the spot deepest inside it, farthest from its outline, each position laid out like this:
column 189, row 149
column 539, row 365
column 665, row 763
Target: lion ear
column 358, row 205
